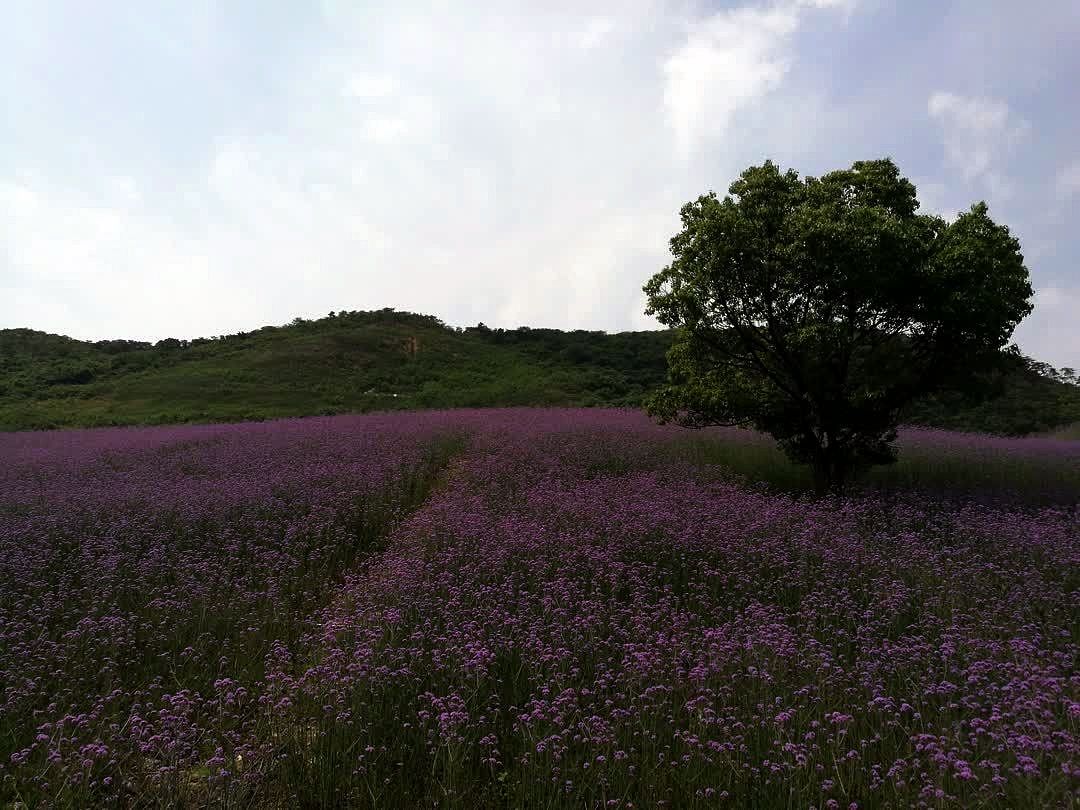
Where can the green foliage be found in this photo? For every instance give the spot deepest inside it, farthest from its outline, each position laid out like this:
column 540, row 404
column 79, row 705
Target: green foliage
column 357, row 361
column 345, row 362
column 1028, row 397
column 819, row 310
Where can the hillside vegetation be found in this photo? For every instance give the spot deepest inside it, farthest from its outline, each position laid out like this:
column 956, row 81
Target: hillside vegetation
column 390, row 360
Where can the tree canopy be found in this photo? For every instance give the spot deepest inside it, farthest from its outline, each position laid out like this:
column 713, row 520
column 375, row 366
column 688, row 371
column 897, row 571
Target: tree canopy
column 816, row 310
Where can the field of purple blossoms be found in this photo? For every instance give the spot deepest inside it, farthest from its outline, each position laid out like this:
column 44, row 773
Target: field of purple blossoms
column 532, row 608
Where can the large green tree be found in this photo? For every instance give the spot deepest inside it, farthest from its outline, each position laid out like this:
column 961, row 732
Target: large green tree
column 817, row 309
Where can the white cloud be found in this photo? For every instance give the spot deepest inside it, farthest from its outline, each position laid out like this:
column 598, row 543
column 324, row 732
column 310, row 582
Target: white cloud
column 728, row 61
column 595, row 32
column 1067, row 181
column 731, row 59
column 72, row 251
column 978, row 134
column 934, row 197
column 1052, row 331
column 846, row 6
column 387, row 129
column 1057, row 299
column 370, row 86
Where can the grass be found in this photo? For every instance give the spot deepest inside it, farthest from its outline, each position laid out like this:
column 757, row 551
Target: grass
column 1067, row 432
column 1036, row 470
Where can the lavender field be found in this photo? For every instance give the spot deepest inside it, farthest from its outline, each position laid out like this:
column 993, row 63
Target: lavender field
column 532, row 608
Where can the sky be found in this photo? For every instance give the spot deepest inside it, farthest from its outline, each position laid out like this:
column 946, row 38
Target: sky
column 184, row 169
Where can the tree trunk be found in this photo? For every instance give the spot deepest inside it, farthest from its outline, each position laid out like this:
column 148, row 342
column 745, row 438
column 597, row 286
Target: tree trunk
column 821, row 477
column 830, row 474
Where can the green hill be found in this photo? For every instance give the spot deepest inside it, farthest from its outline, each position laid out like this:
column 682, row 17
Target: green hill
column 383, row 360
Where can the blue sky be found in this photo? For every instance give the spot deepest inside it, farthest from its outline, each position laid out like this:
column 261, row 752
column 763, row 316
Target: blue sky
column 197, row 168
